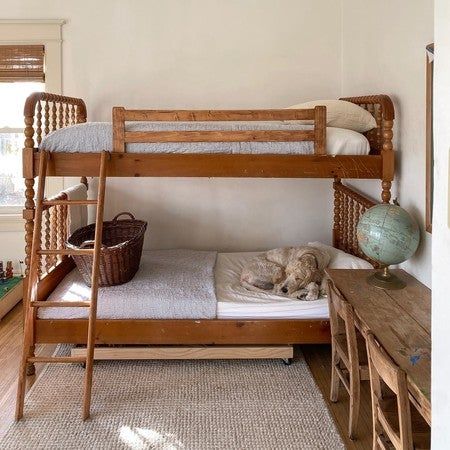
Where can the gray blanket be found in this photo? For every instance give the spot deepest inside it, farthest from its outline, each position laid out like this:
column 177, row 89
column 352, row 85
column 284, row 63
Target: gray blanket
column 170, row 284
column 97, row 136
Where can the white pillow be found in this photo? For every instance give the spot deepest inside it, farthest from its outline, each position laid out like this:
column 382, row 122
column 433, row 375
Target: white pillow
column 342, row 114
column 340, row 259
column 346, row 142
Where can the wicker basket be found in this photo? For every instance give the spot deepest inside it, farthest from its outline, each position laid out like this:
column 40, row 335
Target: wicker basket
column 121, row 249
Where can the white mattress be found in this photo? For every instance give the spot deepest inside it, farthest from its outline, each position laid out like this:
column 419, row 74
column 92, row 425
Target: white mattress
column 233, row 301
column 97, row 136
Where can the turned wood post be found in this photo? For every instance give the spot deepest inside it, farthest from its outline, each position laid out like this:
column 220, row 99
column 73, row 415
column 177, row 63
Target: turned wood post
column 388, row 161
column 28, row 174
column 337, row 212
column 81, row 113
column 28, row 212
column 387, row 151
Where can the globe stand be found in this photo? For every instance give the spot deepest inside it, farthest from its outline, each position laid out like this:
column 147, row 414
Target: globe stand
column 386, row 280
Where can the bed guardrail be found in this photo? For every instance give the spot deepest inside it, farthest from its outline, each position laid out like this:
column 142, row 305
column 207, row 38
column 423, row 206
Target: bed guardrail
column 317, row 116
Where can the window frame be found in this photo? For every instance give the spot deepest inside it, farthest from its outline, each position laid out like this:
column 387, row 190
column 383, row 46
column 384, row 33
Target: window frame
column 49, row 34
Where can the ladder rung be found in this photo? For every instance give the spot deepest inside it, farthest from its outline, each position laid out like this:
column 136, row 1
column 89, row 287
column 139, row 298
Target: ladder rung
column 68, row 202
column 67, row 251
column 49, row 304
column 57, row 359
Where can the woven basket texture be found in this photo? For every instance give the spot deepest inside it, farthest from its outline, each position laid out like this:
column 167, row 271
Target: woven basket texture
column 121, row 252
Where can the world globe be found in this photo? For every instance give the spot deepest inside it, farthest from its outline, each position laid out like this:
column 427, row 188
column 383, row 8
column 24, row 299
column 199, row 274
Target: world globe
column 387, row 234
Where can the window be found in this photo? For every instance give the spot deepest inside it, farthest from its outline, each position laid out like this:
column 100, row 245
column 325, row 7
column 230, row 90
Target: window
column 21, row 73
column 13, row 97
column 23, row 44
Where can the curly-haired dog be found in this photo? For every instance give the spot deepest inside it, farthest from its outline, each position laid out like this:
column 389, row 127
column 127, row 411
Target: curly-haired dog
column 296, row 272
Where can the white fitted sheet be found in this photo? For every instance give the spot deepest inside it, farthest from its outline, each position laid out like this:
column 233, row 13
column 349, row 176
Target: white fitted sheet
column 236, row 302
column 233, row 301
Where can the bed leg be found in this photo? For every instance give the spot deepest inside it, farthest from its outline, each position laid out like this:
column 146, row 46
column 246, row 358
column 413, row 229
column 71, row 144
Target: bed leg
column 31, row 368
column 287, row 361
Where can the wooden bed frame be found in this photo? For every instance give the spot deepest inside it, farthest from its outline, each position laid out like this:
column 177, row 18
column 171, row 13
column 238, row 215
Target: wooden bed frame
column 348, row 207
column 47, row 112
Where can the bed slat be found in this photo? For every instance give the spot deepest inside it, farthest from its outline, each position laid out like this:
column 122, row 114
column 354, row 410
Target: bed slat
column 219, row 136
column 223, row 115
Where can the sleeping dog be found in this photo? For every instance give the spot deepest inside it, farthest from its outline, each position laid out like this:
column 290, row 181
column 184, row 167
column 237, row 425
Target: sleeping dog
column 296, row 272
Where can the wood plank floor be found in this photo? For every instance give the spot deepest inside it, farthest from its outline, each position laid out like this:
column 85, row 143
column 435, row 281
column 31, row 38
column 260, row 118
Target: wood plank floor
column 319, row 360
column 317, row 356
column 11, row 335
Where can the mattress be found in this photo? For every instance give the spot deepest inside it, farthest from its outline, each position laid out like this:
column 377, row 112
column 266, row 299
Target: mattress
column 97, row 136
column 143, row 296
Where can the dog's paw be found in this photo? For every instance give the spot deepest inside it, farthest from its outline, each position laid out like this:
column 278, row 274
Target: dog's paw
column 301, row 294
column 311, row 296
column 313, row 291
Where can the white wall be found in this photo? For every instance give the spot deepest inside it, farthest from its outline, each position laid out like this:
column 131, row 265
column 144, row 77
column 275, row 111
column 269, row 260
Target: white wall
column 384, row 52
column 252, row 53
column 441, row 231
column 204, row 54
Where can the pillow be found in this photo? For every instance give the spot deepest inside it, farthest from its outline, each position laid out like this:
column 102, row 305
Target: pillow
column 340, row 259
column 342, row 114
column 346, row 142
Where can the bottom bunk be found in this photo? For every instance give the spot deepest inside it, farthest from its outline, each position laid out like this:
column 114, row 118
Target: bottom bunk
column 189, row 297
column 186, row 297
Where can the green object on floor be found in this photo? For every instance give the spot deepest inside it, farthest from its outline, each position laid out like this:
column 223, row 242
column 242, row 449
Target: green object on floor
column 7, row 285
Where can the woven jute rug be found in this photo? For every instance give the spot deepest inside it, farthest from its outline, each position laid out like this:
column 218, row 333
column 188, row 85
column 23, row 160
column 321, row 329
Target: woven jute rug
column 235, row 404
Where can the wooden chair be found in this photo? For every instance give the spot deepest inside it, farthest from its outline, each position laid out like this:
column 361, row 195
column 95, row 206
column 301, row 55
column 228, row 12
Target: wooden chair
column 349, row 355
column 395, row 423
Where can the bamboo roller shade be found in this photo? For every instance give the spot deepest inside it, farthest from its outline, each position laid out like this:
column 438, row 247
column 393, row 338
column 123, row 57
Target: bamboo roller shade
column 21, row 63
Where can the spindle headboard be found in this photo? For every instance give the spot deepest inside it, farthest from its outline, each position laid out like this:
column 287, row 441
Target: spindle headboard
column 349, row 206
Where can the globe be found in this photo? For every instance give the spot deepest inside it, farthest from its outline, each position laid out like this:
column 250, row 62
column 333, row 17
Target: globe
column 388, row 234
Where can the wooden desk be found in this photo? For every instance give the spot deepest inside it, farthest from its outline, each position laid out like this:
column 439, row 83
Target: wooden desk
column 401, row 322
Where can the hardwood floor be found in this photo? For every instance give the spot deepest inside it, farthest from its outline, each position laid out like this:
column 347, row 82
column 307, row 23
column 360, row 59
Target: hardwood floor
column 317, row 356
column 11, row 335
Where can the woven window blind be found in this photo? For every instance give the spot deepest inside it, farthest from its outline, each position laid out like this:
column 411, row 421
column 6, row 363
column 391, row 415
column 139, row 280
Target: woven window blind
column 21, row 63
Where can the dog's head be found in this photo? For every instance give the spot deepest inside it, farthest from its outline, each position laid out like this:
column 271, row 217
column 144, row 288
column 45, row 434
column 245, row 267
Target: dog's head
column 299, row 273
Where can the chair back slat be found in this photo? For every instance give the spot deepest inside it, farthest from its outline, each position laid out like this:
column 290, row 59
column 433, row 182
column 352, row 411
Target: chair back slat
column 342, row 320
column 384, row 370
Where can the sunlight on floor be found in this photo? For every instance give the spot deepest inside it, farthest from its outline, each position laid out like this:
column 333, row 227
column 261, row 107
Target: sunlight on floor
column 140, row 438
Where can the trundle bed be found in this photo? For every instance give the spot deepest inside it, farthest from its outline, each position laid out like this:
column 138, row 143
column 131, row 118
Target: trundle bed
column 46, row 113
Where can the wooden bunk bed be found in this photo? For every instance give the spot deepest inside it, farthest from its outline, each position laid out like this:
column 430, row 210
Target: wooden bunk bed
column 46, row 112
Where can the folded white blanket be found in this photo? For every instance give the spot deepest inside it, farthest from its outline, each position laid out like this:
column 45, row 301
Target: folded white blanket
column 178, row 284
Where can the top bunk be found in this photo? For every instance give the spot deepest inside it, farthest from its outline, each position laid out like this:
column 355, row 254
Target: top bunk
column 279, row 143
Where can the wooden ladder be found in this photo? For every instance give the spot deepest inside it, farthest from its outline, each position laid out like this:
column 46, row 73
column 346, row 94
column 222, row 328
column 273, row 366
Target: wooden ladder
column 31, row 301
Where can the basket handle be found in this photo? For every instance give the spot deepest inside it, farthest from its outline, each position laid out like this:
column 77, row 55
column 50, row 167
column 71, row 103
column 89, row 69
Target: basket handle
column 121, row 214
column 90, row 242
